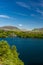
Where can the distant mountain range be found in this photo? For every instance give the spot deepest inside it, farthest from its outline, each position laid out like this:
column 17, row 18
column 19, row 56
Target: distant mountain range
column 16, row 28
column 38, row 30
column 9, row 28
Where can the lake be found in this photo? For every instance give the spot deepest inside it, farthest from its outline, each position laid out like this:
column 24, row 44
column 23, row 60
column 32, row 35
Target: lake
column 31, row 50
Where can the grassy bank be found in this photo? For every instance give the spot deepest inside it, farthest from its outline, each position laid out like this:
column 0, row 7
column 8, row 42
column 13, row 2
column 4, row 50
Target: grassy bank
column 9, row 55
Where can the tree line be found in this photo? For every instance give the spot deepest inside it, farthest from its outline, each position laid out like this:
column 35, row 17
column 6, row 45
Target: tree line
column 4, row 34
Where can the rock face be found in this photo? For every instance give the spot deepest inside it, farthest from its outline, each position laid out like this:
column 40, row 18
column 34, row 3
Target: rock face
column 9, row 28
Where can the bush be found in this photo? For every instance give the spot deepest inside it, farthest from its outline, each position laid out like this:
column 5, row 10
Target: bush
column 8, row 55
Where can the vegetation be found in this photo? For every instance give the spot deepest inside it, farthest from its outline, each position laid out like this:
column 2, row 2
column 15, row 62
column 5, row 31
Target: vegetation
column 29, row 34
column 9, row 55
column 25, row 34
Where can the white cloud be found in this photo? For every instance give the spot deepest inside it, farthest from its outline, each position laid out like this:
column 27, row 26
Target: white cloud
column 36, row 4
column 21, row 14
column 23, row 5
column 4, row 16
column 20, row 25
column 32, row 5
column 39, row 11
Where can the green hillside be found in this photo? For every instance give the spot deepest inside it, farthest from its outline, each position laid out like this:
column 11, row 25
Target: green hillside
column 9, row 55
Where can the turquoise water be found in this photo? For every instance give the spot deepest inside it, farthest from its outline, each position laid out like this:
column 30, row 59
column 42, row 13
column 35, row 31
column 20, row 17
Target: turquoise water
column 31, row 50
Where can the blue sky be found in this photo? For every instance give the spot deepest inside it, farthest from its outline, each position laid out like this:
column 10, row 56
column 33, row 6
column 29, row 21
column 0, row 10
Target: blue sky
column 24, row 14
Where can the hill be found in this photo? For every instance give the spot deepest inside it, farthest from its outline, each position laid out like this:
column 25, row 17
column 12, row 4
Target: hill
column 38, row 30
column 9, row 28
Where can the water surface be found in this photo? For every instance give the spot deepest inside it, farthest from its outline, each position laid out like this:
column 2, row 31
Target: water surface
column 31, row 50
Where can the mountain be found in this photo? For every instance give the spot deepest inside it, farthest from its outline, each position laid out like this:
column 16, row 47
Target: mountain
column 9, row 28
column 13, row 28
column 38, row 30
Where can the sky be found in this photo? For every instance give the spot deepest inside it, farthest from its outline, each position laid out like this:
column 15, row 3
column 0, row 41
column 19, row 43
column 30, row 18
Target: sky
column 24, row 14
